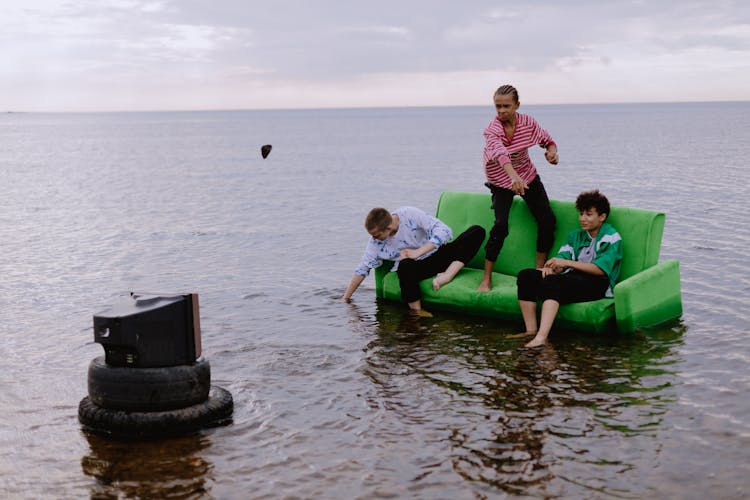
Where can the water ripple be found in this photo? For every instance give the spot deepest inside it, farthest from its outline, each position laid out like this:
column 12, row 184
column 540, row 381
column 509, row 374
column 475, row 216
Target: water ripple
column 360, row 400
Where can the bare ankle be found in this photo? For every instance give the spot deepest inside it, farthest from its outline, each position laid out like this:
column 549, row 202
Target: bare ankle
column 521, row 335
column 439, row 281
column 537, row 341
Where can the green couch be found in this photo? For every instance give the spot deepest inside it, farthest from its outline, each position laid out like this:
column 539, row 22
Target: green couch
column 647, row 293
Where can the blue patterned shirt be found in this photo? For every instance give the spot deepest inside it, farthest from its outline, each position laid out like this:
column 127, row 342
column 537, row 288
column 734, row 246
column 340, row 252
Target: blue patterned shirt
column 415, row 228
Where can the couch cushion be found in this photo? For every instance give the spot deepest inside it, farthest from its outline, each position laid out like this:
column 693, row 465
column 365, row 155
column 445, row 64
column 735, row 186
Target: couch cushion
column 460, row 295
column 461, row 210
column 593, row 316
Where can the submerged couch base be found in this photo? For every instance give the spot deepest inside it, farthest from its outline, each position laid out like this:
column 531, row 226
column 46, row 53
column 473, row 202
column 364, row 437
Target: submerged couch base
column 461, row 295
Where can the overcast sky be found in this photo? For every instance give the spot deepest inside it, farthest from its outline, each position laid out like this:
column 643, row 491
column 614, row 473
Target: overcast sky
column 88, row 55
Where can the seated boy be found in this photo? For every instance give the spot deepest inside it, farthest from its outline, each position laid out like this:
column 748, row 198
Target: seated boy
column 420, row 246
column 585, row 268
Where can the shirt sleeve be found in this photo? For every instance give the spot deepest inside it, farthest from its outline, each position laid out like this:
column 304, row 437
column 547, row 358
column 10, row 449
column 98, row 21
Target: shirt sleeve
column 543, row 138
column 370, row 260
column 494, row 149
column 566, row 251
column 608, row 252
column 438, row 233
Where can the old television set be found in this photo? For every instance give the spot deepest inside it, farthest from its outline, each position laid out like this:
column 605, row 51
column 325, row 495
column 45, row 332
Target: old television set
column 150, row 330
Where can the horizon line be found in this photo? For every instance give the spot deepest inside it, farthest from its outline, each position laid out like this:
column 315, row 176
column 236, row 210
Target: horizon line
column 334, row 108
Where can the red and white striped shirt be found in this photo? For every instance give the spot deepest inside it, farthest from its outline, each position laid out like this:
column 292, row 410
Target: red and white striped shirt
column 498, row 150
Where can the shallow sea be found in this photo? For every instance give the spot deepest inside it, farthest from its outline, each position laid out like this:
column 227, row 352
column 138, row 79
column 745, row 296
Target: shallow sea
column 358, row 400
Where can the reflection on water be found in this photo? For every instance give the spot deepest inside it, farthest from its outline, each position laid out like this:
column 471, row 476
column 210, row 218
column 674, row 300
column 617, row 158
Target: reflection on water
column 171, row 468
column 529, row 421
column 338, row 400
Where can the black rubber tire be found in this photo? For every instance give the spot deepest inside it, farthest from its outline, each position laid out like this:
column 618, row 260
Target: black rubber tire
column 216, row 410
column 148, row 389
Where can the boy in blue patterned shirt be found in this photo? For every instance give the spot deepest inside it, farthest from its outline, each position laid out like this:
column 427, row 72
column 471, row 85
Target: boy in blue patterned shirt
column 585, row 268
column 421, row 247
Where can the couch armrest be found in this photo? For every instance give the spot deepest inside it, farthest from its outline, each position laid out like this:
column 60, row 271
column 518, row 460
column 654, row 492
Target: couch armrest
column 649, row 297
column 380, row 273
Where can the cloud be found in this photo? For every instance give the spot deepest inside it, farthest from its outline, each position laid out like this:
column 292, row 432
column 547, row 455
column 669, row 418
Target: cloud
column 169, row 48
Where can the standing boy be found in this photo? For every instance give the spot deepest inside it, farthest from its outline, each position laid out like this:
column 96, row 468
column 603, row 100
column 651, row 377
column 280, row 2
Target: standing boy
column 510, row 171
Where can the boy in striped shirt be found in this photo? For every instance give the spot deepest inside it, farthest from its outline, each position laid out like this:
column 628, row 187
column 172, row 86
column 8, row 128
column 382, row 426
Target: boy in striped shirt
column 510, row 171
column 585, row 268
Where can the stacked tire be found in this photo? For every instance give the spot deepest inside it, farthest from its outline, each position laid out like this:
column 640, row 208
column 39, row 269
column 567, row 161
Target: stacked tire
column 143, row 403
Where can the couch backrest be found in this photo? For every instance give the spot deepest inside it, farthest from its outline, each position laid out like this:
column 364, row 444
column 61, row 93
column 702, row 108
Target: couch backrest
column 641, row 230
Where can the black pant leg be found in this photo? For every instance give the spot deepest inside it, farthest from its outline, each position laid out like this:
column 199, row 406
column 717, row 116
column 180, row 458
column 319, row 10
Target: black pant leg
column 407, row 279
column 501, row 203
column 529, row 282
column 538, row 202
column 411, row 272
column 466, row 245
column 573, row 286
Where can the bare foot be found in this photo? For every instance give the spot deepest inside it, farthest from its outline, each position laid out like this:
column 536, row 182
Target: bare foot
column 536, row 342
column 520, row 335
column 484, row 286
column 439, row 281
column 420, row 313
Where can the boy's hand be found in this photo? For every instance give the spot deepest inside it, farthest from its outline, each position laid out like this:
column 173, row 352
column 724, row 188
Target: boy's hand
column 546, row 271
column 551, row 156
column 519, row 186
column 556, row 265
column 409, row 253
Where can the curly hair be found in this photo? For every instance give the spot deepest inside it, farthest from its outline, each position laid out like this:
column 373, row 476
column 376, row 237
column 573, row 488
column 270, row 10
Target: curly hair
column 593, row 199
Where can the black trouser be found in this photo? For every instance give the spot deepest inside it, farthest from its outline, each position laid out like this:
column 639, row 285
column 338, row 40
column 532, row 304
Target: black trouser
column 537, row 201
column 411, row 271
column 573, row 286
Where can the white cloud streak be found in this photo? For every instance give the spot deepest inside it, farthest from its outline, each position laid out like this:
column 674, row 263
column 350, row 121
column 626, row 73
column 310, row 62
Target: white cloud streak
column 196, row 54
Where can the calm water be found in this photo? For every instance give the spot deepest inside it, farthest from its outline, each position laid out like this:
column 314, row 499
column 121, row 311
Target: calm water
column 359, row 401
